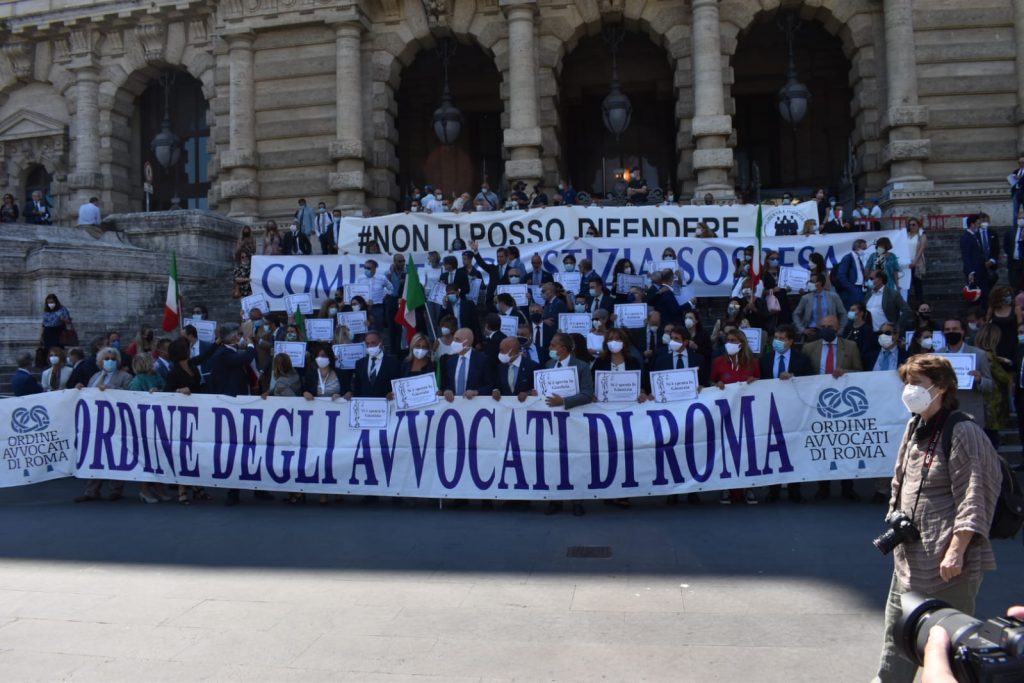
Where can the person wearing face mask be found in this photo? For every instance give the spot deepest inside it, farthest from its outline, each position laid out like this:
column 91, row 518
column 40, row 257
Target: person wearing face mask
column 975, row 254
column 1013, row 245
column 617, row 356
column 513, row 376
column 886, row 304
column 569, row 264
column 419, row 361
column 679, row 355
column 490, row 200
column 296, row 242
column 859, row 328
column 323, row 226
column 493, row 337
column 599, row 328
column 373, row 373
column 321, row 381
column 784, row 362
column 304, row 218
column 453, row 275
column 815, row 306
column 445, row 337
column 885, row 261
column 851, row 274
column 380, row 287
column 540, row 331
column 620, row 290
column 255, row 326
column 467, row 372
column 598, row 298
column 917, row 241
column 737, row 364
column 888, row 354
column 23, row 382
column 950, row 496
column 1003, row 313
column 56, row 324
column 560, row 355
column 461, row 308
column 972, row 400
column 505, row 304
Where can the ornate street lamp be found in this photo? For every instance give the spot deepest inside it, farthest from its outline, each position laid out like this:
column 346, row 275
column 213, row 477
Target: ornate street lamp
column 616, row 108
column 447, row 119
column 165, row 144
column 794, row 97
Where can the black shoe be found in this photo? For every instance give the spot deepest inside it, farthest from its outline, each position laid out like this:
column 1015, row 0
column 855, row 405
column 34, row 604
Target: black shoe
column 263, row 495
column 693, row 498
column 554, row 507
column 577, row 510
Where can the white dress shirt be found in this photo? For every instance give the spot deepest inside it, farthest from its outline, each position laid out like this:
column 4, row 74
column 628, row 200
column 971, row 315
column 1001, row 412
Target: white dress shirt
column 379, row 286
column 88, row 214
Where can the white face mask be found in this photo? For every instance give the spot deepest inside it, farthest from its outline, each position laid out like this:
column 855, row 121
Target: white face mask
column 885, row 340
column 927, row 343
column 445, row 331
column 420, row 353
column 332, row 311
column 666, row 338
column 916, row 399
column 54, row 360
column 322, row 362
column 690, row 323
column 614, row 346
column 51, row 305
column 732, row 348
column 674, row 345
column 356, row 307
column 457, row 346
column 374, row 351
column 596, row 324
column 504, row 358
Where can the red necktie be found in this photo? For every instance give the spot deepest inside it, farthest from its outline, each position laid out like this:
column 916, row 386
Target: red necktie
column 830, row 360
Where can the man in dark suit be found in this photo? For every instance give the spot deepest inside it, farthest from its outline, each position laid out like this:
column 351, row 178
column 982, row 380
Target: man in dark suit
column 497, row 274
column 679, row 356
column 553, row 304
column 598, row 298
column 785, row 362
column 453, row 275
column 893, row 306
column 296, row 242
column 506, row 305
column 850, row 275
column 23, row 382
column 461, row 308
column 1013, row 245
column 373, row 373
column 887, row 355
column 561, row 356
column 467, row 372
column 975, row 262
column 538, row 276
column 83, row 366
column 198, row 348
column 989, row 246
column 588, row 276
column 492, row 338
column 514, row 375
column 540, row 332
column 229, row 363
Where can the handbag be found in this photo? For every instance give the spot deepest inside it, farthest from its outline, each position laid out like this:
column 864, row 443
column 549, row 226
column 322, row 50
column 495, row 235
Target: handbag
column 68, row 336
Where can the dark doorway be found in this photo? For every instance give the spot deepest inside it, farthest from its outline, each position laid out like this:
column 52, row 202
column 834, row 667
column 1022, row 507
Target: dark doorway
column 476, row 92
column 189, row 179
column 592, row 159
column 38, row 179
column 813, row 155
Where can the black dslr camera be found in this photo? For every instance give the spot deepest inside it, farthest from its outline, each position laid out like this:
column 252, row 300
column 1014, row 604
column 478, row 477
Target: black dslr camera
column 981, row 651
column 901, row 529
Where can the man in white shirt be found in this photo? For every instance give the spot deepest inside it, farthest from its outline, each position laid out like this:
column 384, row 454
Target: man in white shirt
column 89, row 213
column 323, row 223
column 379, row 287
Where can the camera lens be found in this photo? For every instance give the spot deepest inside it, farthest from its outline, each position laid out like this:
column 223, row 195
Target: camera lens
column 886, row 542
column 920, row 614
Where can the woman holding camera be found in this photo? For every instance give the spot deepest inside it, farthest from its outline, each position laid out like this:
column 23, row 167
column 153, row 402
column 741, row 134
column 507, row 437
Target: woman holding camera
column 942, row 503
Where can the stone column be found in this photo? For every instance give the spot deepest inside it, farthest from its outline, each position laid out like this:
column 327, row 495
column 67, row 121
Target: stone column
column 904, row 118
column 86, row 180
column 523, row 136
column 241, row 189
column 712, row 159
column 349, row 180
column 1018, row 30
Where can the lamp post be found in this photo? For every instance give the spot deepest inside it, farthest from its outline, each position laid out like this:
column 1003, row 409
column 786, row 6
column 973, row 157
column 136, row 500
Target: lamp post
column 447, row 119
column 616, row 109
column 794, row 97
column 165, row 145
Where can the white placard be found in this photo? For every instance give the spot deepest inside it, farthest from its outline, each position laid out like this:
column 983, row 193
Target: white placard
column 794, row 279
column 571, row 281
column 301, row 301
column 535, row 293
column 296, row 351
column 938, row 341
column 474, row 289
column 631, row 316
column 667, row 265
column 358, row 290
column 319, row 329
column 355, row 321
column 415, row 392
column 520, row 293
column 575, row 323
column 624, row 282
column 206, row 330
column 437, row 294
column 510, row 325
column 963, row 364
column 755, row 337
column 595, row 342
column 563, row 382
column 617, row 387
column 368, row 413
column 255, row 301
column 349, row 354
column 674, row 385
column 686, row 295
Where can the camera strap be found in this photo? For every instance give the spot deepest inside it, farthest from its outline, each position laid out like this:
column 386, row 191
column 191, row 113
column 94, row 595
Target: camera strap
column 929, row 457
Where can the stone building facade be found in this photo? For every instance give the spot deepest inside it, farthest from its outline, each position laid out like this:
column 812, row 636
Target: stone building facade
column 302, row 97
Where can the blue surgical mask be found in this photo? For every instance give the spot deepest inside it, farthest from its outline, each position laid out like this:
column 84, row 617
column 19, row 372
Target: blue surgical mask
column 569, row 267
column 773, row 262
column 367, row 272
column 453, row 298
column 1020, row 338
column 581, row 308
column 593, row 292
column 116, row 344
column 109, row 365
column 553, row 354
column 779, row 346
column 851, row 315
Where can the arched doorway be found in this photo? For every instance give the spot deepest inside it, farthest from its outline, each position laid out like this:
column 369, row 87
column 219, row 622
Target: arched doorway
column 38, row 179
column 188, row 180
column 816, row 152
column 593, row 160
column 475, row 155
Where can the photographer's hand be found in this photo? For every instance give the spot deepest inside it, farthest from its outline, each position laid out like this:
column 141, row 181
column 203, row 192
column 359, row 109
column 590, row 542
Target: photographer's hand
column 936, row 652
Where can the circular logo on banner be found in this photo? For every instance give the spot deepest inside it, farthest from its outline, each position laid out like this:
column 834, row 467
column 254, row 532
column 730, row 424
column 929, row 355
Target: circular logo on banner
column 783, row 220
column 34, row 419
column 834, row 404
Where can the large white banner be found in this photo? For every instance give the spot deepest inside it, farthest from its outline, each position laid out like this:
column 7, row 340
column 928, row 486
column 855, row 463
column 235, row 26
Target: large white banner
column 706, row 264
column 423, row 232
column 767, row 432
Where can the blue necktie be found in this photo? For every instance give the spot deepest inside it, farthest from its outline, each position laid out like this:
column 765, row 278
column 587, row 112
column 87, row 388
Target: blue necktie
column 460, row 377
column 782, row 365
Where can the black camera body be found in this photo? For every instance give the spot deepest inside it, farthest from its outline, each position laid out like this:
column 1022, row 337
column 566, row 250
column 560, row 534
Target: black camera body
column 901, row 530
column 989, row 651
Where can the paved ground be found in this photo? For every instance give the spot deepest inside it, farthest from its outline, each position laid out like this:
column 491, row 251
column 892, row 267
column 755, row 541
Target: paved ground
column 125, row 591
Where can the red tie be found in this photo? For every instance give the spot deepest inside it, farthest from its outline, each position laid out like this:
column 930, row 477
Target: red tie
column 830, row 360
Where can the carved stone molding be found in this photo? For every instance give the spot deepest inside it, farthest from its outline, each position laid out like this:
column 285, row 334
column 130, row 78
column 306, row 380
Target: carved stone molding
column 83, row 41
column 21, row 57
column 28, row 138
column 437, row 13
column 151, row 37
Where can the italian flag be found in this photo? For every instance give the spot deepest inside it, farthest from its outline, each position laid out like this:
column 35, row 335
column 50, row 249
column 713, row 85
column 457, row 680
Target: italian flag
column 757, row 263
column 413, row 297
column 172, row 307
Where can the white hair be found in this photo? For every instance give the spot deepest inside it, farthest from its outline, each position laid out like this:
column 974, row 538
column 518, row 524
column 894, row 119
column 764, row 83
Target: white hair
column 106, row 351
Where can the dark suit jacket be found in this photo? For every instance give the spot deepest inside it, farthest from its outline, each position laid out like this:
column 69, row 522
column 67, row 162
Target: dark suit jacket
column 585, row 379
column 458, row 278
column 390, row 368
column 478, row 374
column 24, row 383
column 467, row 315
column 524, row 379
column 529, row 279
column 605, row 301
column 553, row 308
column 81, row 373
column 631, row 364
column 876, row 351
column 297, row 243
column 847, row 355
column 665, row 361
column 973, row 258
column 799, row 365
column 896, row 309
column 228, row 375
column 493, row 276
column 546, row 333
column 491, row 349
column 846, row 276
column 1009, row 237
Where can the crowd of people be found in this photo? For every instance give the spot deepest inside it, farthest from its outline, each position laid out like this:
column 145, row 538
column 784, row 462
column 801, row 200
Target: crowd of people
column 852, row 317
